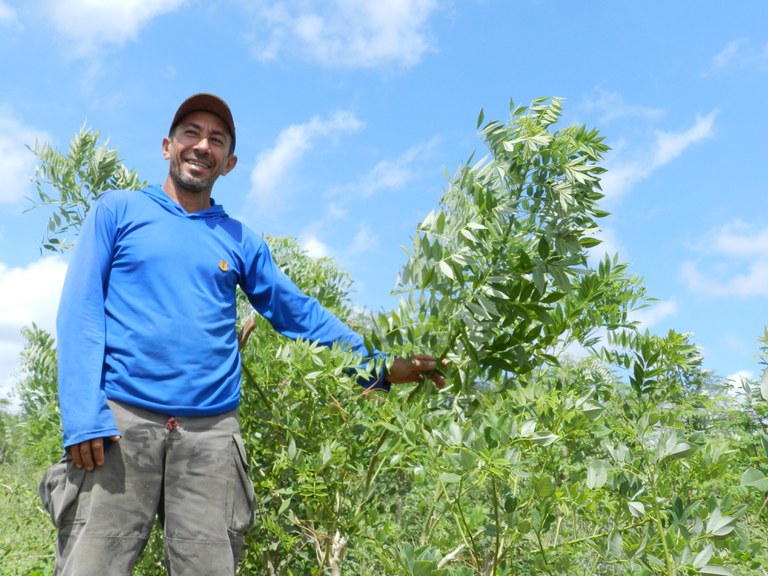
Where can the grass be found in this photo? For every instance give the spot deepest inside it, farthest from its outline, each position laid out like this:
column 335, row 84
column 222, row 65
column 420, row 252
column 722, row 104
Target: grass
column 27, row 536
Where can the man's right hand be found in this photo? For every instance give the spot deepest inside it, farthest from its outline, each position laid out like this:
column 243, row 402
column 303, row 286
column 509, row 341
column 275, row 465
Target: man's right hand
column 90, row 453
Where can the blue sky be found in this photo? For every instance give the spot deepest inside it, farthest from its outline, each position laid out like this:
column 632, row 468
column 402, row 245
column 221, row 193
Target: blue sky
column 350, row 111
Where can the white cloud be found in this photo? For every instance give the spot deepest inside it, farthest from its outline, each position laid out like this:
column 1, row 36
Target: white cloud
column 314, row 247
column 624, row 174
column 669, row 145
column 654, row 314
column 739, row 239
column 343, row 250
column 346, row 33
column 726, row 57
column 611, row 106
column 735, row 262
column 89, row 25
column 364, row 241
column 7, row 14
column 734, row 342
column 751, row 282
column 740, row 54
column 17, row 163
column 336, row 211
column 274, row 165
column 27, row 295
column 388, row 174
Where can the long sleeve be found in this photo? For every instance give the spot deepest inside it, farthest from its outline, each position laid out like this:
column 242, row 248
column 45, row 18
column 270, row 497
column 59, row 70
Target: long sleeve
column 81, row 334
column 296, row 315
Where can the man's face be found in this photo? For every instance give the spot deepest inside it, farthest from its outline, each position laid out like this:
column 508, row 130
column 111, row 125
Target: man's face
column 198, row 152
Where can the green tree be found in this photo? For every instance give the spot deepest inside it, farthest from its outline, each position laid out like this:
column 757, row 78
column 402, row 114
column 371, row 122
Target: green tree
column 69, row 183
column 6, row 424
column 308, row 430
column 39, row 434
column 498, row 279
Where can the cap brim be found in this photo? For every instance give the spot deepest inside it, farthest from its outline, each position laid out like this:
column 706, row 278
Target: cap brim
column 206, row 103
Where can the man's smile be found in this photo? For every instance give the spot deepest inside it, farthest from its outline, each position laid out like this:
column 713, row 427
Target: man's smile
column 197, row 163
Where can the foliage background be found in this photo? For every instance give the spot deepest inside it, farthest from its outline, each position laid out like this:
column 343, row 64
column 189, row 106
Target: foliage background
column 568, row 442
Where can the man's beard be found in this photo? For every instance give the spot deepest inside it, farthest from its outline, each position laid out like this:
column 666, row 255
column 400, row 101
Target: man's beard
column 189, row 183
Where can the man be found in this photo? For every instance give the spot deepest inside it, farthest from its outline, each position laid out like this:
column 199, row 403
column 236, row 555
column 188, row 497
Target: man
column 149, row 369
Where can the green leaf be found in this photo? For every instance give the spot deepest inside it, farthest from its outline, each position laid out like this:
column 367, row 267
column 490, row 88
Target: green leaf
column 753, row 478
column 480, row 118
column 543, row 248
column 284, row 505
column 449, row 478
column 764, row 440
column 591, row 410
column 391, row 427
column 715, row 571
column 597, row 473
column 764, row 385
column 637, row 509
column 528, row 428
column 616, row 544
column 423, row 568
column 703, row 556
column 544, row 439
column 674, row 448
column 719, row 525
column 326, row 454
column 469, row 236
column 544, row 486
column 446, row 269
column 590, row 242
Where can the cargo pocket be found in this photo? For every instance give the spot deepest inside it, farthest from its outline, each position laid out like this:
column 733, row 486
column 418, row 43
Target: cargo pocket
column 59, row 490
column 240, row 501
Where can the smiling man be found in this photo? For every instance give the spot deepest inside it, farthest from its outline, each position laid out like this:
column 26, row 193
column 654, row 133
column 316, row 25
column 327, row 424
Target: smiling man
column 200, row 147
column 149, row 368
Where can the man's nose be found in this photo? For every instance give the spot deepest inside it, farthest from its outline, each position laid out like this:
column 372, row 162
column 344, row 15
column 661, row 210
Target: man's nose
column 203, row 144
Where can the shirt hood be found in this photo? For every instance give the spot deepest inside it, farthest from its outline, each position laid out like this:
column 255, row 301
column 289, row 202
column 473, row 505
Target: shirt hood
column 170, row 205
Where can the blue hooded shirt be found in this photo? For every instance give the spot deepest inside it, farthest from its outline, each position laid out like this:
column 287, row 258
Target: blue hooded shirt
column 148, row 311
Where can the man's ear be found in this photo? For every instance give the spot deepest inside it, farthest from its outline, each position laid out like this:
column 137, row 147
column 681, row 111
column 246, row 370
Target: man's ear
column 231, row 163
column 166, row 148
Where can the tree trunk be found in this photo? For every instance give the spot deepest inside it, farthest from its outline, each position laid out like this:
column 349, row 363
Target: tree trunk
column 338, row 548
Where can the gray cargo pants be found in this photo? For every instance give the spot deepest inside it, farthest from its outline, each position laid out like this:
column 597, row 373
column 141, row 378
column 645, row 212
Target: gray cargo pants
column 192, row 471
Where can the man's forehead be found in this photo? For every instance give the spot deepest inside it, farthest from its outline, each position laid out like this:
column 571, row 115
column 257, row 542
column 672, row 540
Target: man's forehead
column 205, row 120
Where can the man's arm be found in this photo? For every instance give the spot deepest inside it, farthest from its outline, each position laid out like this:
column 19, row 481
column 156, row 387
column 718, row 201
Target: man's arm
column 296, row 315
column 80, row 325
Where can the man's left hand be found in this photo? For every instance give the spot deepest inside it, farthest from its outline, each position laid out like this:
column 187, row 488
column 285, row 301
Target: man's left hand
column 414, row 370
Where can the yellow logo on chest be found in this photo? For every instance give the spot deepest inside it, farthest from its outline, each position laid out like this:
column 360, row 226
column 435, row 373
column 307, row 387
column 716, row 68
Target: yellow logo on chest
column 223, row 266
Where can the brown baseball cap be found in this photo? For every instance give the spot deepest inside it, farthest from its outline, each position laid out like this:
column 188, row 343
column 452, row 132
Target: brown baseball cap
column 206, row 103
